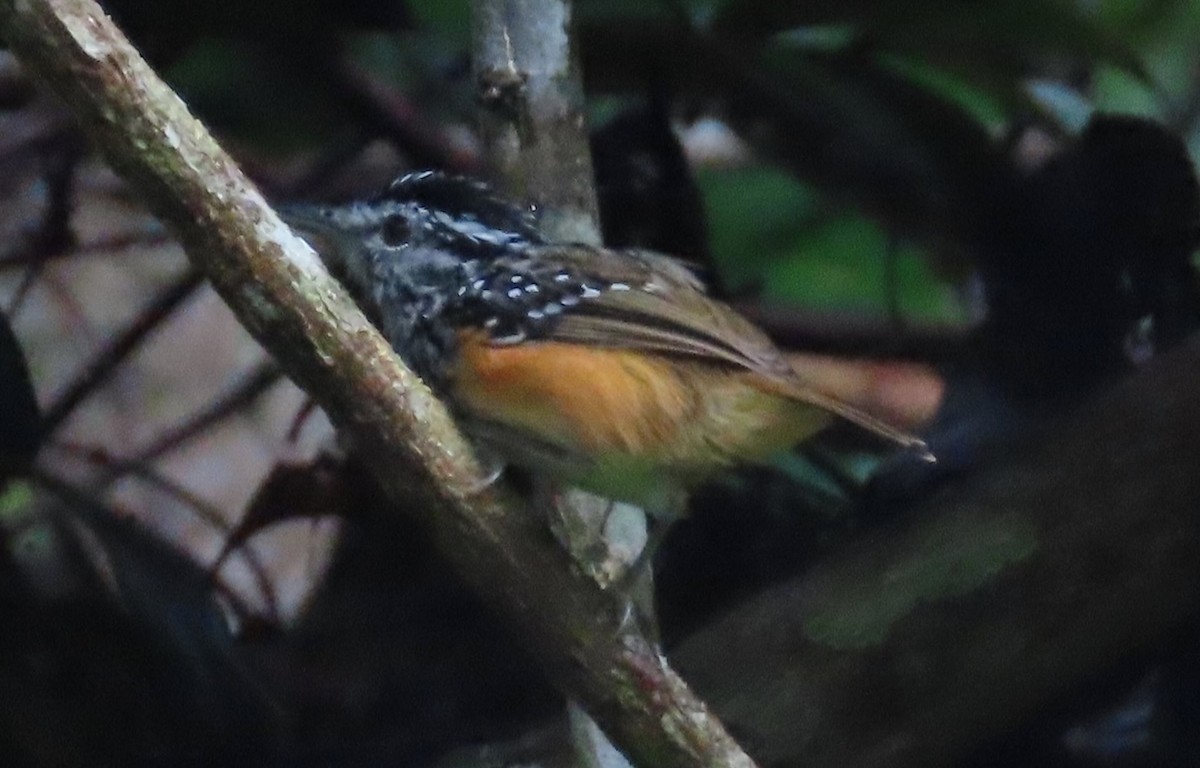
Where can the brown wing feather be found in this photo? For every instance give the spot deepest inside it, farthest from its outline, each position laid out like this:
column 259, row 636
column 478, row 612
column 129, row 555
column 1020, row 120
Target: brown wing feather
column 665, row 310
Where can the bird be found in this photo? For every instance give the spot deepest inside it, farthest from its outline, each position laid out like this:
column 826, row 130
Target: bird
column 609, row 370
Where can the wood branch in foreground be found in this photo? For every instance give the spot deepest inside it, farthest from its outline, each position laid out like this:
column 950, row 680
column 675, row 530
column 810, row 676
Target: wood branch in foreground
column 1005, row 591
column 279, row 291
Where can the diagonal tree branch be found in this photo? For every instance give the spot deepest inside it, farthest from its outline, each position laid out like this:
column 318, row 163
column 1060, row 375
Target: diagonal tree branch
column 1003, row 593
column 280, row 292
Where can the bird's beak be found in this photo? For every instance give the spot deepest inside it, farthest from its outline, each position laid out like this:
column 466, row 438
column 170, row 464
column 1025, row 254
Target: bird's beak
column 314, row 223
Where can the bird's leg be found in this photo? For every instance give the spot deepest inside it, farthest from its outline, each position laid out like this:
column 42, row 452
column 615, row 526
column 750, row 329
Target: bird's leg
column 634, row 587
column 635, row 584
column 642, row 567
column 577, row 520
column 632, row 540
column 609, row 541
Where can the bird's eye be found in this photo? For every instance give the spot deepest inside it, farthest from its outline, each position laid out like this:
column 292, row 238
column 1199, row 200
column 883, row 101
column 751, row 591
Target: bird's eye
column 395, row 230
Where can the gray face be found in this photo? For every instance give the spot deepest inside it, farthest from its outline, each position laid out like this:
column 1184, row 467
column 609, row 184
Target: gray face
column 411, row 256
column 370, row 246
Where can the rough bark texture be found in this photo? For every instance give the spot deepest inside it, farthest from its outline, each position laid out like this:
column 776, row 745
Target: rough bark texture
column 528, row 84
column 278, row 289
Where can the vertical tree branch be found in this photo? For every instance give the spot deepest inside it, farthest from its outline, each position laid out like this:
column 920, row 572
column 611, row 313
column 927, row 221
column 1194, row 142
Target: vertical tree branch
column 529, row 86
column 527, row 78
column 531, row 91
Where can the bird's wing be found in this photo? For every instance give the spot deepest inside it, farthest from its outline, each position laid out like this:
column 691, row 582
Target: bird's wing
column 653, row 303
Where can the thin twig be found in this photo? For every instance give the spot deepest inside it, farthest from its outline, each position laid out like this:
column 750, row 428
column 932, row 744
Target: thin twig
column 104, row 246
column 82, row 501
column 202, row 508
column 387, row 110
column 120, row 347
column 53, row 233
column 248, row 388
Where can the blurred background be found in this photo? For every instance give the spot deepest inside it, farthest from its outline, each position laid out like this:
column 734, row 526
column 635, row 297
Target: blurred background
column 963, row 215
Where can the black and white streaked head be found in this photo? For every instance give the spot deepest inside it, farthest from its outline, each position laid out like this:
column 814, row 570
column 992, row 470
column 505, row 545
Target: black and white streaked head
column 433, row 254
column 424, row 221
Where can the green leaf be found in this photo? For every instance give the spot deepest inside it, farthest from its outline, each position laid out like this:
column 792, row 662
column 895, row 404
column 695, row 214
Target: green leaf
column 449, row 20
column 776, row 237
column 754, row 216
column 996, row 36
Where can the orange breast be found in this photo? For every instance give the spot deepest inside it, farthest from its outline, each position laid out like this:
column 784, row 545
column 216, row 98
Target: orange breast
column 619, row 405
column 595, row 400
